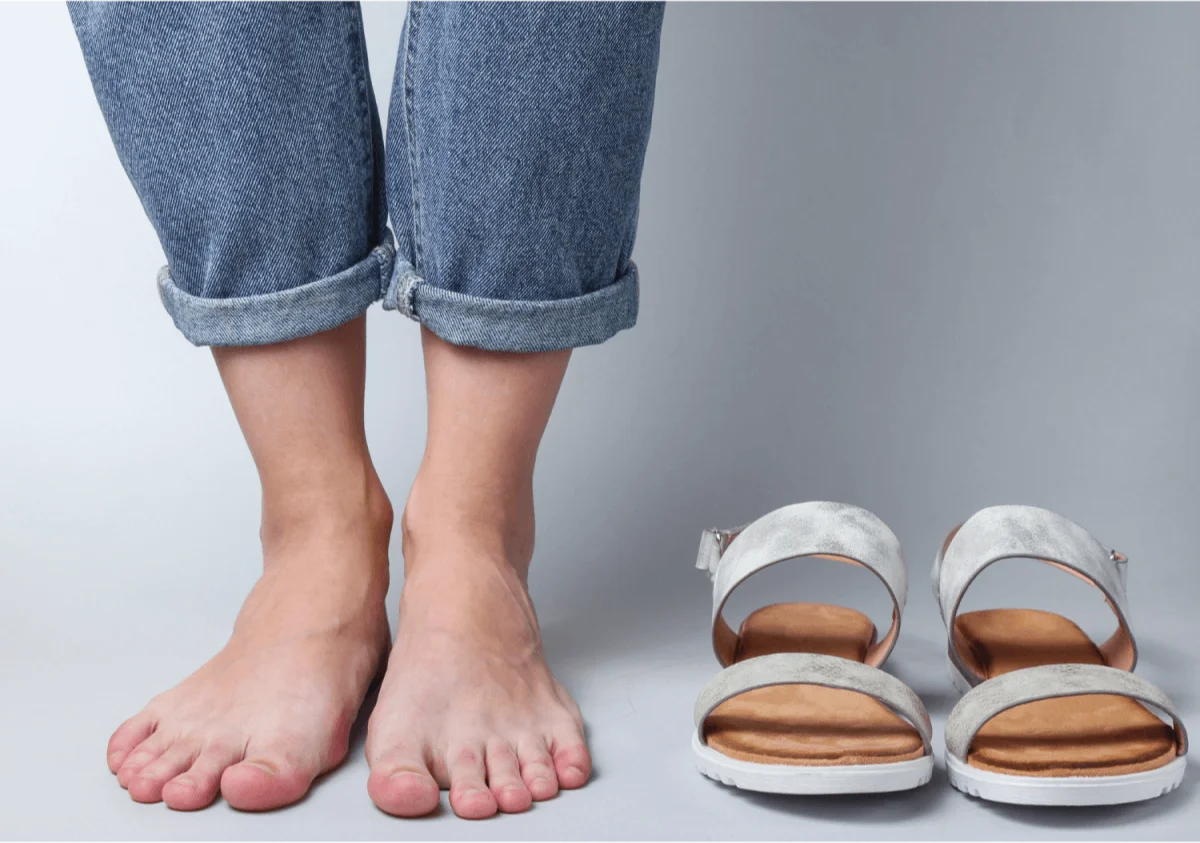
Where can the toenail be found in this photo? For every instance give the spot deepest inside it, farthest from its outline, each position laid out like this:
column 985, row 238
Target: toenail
column 185, row 782
column 262, row 767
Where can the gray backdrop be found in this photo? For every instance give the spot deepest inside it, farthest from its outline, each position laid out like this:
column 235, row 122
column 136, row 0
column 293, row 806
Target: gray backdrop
column 920, row 258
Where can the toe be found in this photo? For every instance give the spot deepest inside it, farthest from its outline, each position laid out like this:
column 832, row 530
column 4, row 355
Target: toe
column 401, row 784
column 147, row 752
column 504, row 778
column 572, row 762
column 128, row 735
column 197, row 787
column 147, row 784
column 537, row 768
column 261, row 783
column 469, row 795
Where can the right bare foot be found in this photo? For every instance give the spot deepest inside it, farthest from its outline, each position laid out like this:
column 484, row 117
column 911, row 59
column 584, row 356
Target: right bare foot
column 273, row 709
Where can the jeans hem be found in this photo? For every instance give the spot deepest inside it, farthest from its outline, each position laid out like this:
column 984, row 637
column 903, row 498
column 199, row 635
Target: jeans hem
column 302, row 311
column 516, row 325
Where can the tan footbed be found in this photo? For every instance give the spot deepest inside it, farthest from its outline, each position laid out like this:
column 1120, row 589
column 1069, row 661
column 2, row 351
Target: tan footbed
column 1091, row 735
column 808, row 725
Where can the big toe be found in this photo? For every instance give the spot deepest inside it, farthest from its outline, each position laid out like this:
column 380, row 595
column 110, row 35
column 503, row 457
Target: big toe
column 259, row 784
column 404, row 791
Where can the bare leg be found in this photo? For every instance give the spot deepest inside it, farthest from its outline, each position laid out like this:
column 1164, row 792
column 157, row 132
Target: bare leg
column 273, row 709
column 468, row 702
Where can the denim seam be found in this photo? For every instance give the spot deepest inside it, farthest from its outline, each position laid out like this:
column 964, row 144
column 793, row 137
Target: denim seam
column 407, row 297
column 386, row 268
column 359, row 62
column 400, row 294
column 410, row 130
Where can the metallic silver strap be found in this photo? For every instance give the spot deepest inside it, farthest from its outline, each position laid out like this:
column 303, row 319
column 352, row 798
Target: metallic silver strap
column 1045, row 682
column 814, row 669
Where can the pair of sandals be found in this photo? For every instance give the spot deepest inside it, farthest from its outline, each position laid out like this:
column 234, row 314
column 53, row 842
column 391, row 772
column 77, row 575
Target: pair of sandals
column 1047, row 716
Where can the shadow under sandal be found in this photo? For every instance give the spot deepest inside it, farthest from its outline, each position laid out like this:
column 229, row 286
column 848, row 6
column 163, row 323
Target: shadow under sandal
column 801, row 705
column 1048, row 717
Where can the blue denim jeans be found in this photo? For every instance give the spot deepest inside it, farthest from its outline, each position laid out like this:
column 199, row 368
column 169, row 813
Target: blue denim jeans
column 515, row 142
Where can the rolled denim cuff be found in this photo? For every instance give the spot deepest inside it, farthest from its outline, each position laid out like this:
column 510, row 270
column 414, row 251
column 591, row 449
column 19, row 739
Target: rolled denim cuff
column 283, row 315
column 515, row 325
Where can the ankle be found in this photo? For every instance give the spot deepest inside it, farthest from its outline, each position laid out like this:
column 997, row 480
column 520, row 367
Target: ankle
column 445, row 516
column 354, row 501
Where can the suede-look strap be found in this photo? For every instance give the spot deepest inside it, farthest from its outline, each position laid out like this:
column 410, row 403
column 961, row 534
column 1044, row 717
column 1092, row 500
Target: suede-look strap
column 1031, row 684
column 817, row 529
column 814, row 669
column 1005, row 532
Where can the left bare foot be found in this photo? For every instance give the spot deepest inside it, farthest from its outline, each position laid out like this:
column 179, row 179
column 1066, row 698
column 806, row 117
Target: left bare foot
column 468, row 702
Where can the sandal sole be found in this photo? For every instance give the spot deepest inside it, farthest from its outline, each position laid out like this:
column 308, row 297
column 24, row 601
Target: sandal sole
column 811, row 780
column 1065, row 790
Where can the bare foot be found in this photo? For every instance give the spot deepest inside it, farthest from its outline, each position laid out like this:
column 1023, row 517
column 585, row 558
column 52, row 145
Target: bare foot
column 468, row 702
column 273, row 709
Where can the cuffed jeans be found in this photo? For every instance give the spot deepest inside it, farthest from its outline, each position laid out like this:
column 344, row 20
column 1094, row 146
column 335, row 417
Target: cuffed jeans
column 515, row 141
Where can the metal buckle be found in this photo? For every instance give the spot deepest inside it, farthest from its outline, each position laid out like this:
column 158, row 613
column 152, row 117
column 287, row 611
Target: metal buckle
column 1122, row 563
column 713, row 544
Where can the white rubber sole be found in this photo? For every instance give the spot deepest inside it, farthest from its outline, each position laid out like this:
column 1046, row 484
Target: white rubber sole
column 1058, row 790
column 812, row 781
column 1065, row 790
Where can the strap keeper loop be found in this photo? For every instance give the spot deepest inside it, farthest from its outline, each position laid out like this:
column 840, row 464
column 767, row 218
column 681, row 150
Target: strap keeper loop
column 713, row 543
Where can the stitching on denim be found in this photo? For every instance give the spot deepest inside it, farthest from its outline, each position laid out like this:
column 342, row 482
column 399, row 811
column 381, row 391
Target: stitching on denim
column 385, row 255
column 401, row 293
column 410, row 130
column 358, row 54
column 406, row 299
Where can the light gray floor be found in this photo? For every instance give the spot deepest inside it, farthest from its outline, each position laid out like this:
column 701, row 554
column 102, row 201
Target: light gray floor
column 919, row 258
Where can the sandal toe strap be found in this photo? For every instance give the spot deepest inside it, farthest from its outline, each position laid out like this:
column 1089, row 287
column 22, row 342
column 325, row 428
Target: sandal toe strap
column 814, row 669
column 1031, row 684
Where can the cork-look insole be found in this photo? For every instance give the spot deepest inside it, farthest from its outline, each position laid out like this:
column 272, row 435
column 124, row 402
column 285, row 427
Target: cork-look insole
column 809, row 725
column 1086, row 735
